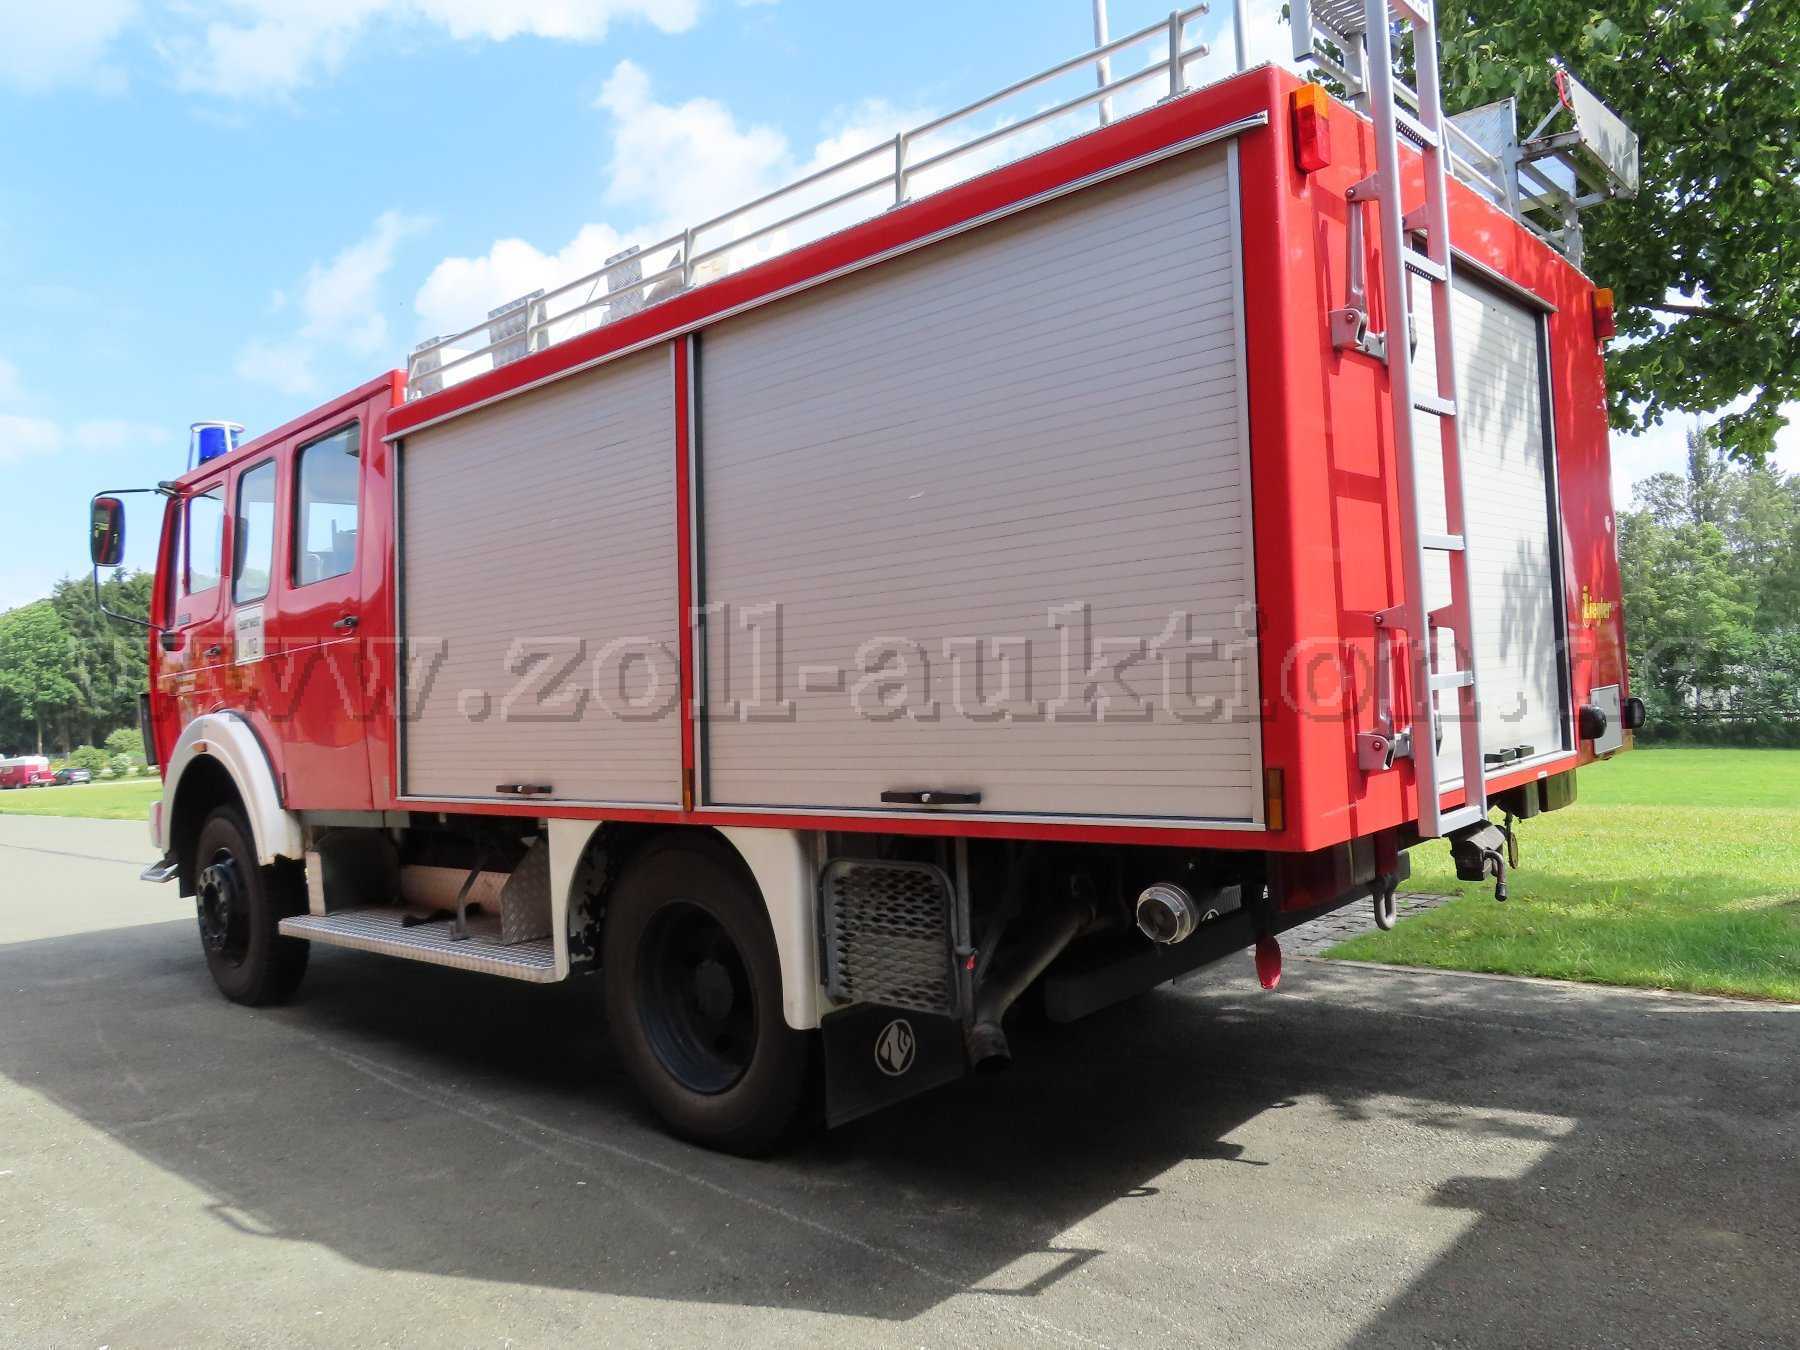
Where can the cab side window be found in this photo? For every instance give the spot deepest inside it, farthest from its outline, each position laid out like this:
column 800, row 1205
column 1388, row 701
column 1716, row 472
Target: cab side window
column 325, row 521
column 253, row 539
column 202, row 544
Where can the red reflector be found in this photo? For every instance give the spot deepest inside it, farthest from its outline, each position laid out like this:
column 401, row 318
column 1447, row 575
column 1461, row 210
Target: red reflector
column 1312, row 127
column 1605, row 324
column 1268, row 961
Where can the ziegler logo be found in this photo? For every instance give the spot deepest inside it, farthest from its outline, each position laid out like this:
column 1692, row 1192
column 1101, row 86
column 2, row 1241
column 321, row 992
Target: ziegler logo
column 1596, row 611
column 895, row 1048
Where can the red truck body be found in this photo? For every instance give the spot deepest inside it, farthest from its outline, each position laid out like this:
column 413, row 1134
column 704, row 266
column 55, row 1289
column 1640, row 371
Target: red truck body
column 1326, row 536
column 1104, row 380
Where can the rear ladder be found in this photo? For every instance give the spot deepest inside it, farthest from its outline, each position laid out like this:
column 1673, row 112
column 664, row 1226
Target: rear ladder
column 1368, row 74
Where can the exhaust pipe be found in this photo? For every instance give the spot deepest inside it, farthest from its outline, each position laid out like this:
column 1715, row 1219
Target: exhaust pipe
column 1056, row 925
column 1166, row 913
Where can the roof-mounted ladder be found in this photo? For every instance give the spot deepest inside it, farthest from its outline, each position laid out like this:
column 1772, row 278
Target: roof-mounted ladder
column 1346, row 26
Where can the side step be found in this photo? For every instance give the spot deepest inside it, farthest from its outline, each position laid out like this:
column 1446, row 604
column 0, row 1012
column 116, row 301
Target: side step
column 381, row 928
column 165, row 868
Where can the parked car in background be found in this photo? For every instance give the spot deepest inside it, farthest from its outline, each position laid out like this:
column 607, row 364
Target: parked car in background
column 64, row 777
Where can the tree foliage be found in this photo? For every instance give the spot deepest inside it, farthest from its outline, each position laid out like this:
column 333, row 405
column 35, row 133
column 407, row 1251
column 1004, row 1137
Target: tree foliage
column 68, row 673
column 1710, row 565
column 1712, row 87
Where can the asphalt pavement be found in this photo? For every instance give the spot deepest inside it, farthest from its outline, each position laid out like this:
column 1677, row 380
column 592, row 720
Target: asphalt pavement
column 415, row 1156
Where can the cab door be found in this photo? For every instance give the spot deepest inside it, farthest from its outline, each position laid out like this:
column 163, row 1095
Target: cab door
column 311, row 624
column 194, row 661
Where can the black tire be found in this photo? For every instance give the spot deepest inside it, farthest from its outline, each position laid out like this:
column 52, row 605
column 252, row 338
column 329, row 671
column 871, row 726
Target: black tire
column 237, row 905
column 693, row 997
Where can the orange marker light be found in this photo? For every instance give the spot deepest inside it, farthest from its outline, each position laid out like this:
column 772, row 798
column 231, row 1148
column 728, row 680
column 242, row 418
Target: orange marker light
column 1605, row 324
column 1310, row 106
column 1274, row 799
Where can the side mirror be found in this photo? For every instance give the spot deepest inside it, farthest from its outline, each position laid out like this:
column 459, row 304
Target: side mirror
column 106, row 532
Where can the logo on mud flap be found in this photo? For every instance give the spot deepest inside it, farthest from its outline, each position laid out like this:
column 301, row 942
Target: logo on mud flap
column 895, row 1047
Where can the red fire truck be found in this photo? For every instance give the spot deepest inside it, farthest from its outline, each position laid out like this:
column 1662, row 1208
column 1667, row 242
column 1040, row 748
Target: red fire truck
column 831, row 623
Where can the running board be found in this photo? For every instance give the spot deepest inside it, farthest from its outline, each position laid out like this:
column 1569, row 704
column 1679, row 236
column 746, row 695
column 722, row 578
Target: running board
column 382, row 929
column 166, row 868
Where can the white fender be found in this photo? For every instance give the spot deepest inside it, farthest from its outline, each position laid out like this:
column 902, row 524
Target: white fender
column 227, row 738
column 779, row 861
column 783, row 869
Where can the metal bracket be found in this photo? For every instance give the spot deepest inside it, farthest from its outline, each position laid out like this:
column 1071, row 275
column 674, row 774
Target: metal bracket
column 1350, row 325
column 1379, row 750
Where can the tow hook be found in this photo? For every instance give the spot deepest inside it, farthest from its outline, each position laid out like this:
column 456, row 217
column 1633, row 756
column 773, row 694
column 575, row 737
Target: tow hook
column 1480, row 852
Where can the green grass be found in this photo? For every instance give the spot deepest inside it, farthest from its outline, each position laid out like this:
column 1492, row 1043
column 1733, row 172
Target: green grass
column 128, row 799
column 1675, row 869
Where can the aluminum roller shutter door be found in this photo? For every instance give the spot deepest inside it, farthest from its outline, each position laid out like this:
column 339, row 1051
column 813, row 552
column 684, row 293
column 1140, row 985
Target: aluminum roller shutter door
column 538, row 557
column 1513, row 573
column 942, row 450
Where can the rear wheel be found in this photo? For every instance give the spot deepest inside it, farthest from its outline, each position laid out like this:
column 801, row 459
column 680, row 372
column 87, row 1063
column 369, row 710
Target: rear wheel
column 693, row 996
column 238, row 905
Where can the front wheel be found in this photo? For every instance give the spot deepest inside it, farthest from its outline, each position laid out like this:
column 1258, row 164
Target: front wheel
column 693, row 996
column 238, row 904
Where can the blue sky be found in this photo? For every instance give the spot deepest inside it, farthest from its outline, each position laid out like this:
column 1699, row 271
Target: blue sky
column 237, row 208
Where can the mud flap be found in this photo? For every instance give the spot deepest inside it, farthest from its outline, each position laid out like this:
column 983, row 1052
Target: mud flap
column 876, row 1055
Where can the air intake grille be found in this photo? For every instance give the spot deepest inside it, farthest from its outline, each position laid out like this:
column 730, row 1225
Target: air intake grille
column 887, row 935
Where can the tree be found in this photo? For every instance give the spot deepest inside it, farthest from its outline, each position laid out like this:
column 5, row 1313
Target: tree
column 111, row 664
column 89, row 757
column 36, row 656
column 1712, row 88
column 127, row 741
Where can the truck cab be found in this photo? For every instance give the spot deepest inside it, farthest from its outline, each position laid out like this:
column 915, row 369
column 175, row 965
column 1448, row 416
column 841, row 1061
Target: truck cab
column 271, row 565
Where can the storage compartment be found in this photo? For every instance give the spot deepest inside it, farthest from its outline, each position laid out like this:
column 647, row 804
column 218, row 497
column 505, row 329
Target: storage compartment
column 977, row 520
column 537, row 563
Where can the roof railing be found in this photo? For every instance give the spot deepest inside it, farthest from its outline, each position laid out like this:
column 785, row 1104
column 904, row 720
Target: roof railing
column 889, row 173
column 894, row 168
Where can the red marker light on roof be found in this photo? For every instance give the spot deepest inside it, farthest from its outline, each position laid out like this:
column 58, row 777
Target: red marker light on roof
column 1310, row 106
column 1605, row 324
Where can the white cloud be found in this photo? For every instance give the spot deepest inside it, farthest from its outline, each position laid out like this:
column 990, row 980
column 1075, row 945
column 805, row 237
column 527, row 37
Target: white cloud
column 460, row 290
column 51, row 44
column 284, row 366
column 270, row 48
column 339, row 298
column 262, row 49
column 339, row 302
column 25, row 437
column 671, row 165
column 683, row 162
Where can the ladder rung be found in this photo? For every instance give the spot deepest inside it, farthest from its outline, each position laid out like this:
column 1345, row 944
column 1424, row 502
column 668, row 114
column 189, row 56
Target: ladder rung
column 1454, row 679
column 1431, row 403
column 1442, row 543
column 1414, row 128
column 1457, row 817
column 1424, row 266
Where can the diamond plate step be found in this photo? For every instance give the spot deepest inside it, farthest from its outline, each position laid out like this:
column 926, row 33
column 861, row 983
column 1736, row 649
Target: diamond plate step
column 381, row 929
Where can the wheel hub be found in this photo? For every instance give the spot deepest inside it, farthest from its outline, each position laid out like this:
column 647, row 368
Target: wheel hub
column 219, row 903
column 695, row 998
column 712, row 990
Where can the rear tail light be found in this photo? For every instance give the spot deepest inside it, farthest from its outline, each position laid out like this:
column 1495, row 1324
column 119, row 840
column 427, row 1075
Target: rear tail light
column 1310, row 107
column 1605, row 325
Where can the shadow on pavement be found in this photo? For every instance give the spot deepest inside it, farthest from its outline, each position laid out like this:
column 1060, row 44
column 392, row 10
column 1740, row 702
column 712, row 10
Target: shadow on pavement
column 412, row 1118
